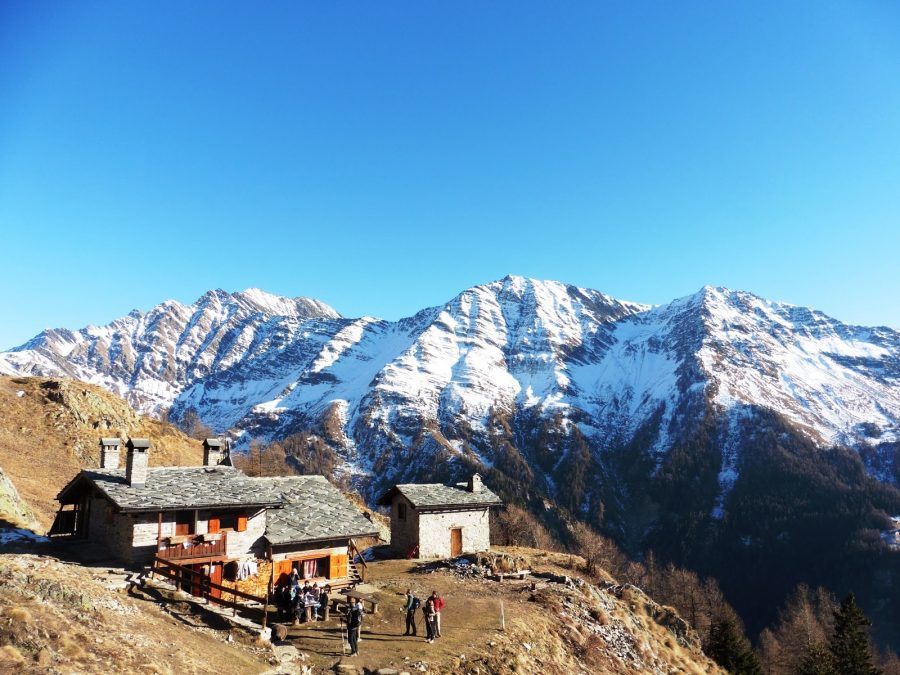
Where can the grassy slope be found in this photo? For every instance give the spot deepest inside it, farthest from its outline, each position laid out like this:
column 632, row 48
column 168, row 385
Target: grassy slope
column 554, row 629
column 51, row 430
column 57, row 617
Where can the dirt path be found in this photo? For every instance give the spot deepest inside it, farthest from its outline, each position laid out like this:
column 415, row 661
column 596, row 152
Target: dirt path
column 471, row 619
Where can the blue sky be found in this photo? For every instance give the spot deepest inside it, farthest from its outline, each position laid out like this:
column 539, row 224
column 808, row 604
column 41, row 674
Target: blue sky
column 384, row 156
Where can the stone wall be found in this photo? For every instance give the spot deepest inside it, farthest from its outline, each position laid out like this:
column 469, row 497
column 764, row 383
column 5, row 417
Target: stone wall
column 404, row 533
column 133, row 537
column 145, row 527
column 434, row 532
column 246, row 544
column 108, row 529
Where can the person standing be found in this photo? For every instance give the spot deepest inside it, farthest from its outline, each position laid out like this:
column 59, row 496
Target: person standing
column 323, row 601
column 412, row 604
column 296, row 603
column 438, row 607
column 429, row 613
column 354, row 625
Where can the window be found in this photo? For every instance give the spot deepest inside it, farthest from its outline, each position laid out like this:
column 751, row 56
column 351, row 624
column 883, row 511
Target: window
column 401, row 511
column 229, row 521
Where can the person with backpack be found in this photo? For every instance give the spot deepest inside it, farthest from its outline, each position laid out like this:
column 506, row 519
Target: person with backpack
column 438, row 607
column 354, row 625
column 412, row 604
column 428, row 611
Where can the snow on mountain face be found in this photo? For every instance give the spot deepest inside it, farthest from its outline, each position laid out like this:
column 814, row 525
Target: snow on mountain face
column 149, row 357
column 260, row 364
column 837, row 382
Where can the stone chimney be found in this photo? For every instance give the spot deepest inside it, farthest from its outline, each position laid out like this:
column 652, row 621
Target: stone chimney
column 475, row 483
column 136, row 461
column 215, row 452
column 109, row 453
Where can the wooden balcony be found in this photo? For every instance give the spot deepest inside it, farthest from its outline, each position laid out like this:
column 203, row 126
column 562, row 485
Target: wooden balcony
column 191, row 546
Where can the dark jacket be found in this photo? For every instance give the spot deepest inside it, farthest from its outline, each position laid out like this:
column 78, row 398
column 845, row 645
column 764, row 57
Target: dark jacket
column 354, row 618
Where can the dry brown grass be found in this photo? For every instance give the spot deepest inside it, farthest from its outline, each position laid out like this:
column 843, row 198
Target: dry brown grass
column 51, row 431
column 114, row 634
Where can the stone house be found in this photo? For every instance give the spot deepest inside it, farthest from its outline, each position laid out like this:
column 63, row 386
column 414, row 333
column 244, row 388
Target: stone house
column 212, row 518
column 431, row 520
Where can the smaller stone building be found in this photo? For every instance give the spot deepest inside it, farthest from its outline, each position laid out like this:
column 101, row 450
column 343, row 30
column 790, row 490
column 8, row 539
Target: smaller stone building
column 431, row 520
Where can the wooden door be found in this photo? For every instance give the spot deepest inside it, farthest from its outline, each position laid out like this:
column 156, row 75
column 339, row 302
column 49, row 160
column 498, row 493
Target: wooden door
column 337, row 568
column 194, row 582
column 184, row 522
column 283, row 571
column 215, row 576
column 455, row 541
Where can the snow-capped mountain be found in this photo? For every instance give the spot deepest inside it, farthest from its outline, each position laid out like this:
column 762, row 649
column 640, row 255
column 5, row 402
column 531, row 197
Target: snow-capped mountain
column 534, row 357
column 149, row 358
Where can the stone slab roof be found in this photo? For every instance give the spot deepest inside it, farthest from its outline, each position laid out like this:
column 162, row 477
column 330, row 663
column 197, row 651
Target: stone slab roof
column 438, row 495
column 314, row 510
column 300, row 508
column 169, row 488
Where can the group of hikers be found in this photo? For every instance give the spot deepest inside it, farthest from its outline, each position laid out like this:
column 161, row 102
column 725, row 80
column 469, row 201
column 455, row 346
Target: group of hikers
column 431, row 611
column 293, row 599
column 299, row 602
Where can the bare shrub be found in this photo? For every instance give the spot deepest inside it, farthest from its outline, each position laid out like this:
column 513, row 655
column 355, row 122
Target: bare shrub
column 514, row 526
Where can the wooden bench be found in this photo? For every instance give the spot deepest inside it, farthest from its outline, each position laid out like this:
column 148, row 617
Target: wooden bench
column 356, row 595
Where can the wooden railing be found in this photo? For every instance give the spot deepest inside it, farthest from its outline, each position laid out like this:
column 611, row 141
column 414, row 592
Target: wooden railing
column 201, row 585
column 364, row 569
column 192, row 546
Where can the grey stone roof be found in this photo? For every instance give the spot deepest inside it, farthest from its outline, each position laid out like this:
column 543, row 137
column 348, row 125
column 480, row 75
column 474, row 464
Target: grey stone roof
column 438, row 495
column 110, row 441
column 300, row 508
column 314, row 510
column 140, row 443
column 168, row 488
column 213, row 442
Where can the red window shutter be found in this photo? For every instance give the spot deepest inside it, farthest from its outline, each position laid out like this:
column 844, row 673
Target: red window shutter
column 213, row 525
column 241, row 523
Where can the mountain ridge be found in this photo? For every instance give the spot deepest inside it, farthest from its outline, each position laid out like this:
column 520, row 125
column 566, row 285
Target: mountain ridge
column 161, row 357
column 721, row 431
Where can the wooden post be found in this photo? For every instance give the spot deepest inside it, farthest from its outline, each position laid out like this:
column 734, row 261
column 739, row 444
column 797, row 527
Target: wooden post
column 270, row 586
column 502, row 617
column 158, row 542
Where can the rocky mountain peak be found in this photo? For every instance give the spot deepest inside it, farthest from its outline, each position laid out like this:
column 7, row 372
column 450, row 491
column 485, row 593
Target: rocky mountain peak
column 257, row 363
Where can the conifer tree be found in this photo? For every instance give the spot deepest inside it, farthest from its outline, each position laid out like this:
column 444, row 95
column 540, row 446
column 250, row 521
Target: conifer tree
column 730, row 649
column 850, row 645
column 816, row 661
